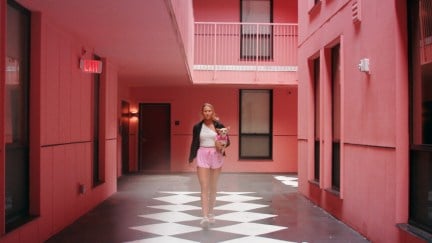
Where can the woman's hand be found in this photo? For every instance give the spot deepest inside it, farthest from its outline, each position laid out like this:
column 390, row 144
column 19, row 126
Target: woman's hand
column 219, row 146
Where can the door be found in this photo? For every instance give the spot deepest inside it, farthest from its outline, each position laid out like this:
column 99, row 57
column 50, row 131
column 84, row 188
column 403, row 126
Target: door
column 125, row 136
column 154, row 137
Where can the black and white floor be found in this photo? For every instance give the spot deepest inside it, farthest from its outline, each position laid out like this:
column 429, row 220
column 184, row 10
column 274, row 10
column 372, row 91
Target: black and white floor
column 250, row 208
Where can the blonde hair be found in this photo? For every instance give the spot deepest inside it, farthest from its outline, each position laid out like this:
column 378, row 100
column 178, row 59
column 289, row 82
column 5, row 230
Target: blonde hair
column 214, row 116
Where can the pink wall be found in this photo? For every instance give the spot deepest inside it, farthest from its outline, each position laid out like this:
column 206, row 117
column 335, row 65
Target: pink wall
column 185, row 107
column 374, row 110
column 61, row 140
column 184, row 17
column 216, row 11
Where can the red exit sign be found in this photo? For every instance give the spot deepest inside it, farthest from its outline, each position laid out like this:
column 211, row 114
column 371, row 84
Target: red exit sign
column 91, row 66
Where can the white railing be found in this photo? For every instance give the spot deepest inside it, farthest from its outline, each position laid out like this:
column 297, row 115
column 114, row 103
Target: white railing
column 245, row 47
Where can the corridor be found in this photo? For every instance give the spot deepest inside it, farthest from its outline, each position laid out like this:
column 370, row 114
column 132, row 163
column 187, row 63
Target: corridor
column 165, row 208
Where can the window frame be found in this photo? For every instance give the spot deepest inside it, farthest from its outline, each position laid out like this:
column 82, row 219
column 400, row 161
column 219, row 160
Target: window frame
column 269, row 135
column 316, row 82
column 26, row 212
column 97, row 159
column 336, row 103
column 257, row 38
column 420, row 152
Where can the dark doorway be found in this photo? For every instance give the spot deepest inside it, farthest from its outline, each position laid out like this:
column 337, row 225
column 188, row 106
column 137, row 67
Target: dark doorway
column 154, row 137
column 124, row 130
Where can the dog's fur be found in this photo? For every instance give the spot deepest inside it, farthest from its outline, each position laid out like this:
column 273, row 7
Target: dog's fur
column 223, row 137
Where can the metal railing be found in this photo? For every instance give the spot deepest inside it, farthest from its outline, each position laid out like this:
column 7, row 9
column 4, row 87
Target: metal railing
column 425, row 31
column 245, row 47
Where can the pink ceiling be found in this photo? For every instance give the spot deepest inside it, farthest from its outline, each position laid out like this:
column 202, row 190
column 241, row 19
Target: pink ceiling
column 138, row 35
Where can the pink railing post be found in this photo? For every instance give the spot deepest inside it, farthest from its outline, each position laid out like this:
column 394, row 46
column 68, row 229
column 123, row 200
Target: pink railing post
column 257, row 51
column 214, row 51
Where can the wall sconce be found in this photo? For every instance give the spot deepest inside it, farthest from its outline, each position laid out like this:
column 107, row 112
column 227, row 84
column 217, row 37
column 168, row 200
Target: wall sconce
column 364, row 65
column 133, row 115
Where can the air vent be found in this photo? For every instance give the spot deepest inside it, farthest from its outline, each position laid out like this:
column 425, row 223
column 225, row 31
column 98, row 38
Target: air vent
column 356, row 11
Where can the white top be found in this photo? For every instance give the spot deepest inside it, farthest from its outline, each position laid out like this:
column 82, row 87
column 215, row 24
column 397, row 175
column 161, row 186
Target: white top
column 207, row 137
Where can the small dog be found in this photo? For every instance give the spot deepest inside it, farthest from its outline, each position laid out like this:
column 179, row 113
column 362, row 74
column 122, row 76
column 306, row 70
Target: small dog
column 222, row 137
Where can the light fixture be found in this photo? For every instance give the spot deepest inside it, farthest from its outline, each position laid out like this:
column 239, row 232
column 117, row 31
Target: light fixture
column 133, row 115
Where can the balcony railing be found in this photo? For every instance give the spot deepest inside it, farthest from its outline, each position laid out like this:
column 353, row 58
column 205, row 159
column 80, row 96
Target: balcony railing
column 245, row 53
column 425, row 32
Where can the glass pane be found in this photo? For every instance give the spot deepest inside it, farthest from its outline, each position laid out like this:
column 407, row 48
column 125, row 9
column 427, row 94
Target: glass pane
column 422, row 76
column 336, row 106
column 255, row 111
column 256, row 11
column 421, row 189
column 255, row 146
column 260, row 29
column 254, row 46
column 316, row 83
column 420, row 204
column 14, row 131
column 316, row 71
column 16, row 106
column 97, row 162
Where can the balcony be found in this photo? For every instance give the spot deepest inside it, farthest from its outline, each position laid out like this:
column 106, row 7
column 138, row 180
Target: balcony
column 245, row 53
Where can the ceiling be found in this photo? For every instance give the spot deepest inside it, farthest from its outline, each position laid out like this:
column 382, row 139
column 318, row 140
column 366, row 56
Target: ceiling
column 141, row 37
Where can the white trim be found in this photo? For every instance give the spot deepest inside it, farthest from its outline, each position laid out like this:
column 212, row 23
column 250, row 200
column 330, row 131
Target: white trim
column 245, row 68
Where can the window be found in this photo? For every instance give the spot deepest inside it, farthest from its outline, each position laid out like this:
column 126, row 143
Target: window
column 256, row 124
column 314, row 5
column 316, row 86
column 97, row 162
column 420, row 39
column 17, row 85
column 336, row 116
column 256, row 31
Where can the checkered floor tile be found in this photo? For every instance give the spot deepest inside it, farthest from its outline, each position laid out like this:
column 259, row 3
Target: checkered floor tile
column 179, row 217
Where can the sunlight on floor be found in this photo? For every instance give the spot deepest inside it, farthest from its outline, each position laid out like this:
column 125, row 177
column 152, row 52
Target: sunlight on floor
column 288, row 180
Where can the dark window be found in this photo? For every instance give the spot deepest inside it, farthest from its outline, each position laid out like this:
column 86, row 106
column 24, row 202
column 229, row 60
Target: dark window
column 256, row 124
column 316, row 84
column 17, row 87
column 256, row 30
column 420, row 44
column 336, row 116
column 97, row 162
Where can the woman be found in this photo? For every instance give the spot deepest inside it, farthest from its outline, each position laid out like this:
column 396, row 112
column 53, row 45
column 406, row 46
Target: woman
column 209, row 159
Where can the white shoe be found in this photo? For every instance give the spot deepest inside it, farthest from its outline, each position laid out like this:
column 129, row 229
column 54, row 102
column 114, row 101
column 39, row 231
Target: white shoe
column 211, row 218
column 205, row 223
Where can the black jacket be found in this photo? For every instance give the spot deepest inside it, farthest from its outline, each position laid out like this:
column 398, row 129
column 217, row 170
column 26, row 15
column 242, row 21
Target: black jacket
column 196, row 138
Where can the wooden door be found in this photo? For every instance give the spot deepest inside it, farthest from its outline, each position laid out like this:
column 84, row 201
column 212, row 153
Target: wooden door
column 154, row 137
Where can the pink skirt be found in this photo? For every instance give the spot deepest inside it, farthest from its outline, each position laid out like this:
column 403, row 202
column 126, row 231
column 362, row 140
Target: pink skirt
column 208, row 157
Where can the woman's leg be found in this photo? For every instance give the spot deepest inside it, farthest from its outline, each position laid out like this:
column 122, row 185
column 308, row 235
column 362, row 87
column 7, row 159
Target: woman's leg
column 214, row 176
column 204, row 180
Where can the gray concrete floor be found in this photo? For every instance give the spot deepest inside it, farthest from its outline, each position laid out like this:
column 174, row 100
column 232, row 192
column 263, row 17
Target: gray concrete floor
column 264, row 208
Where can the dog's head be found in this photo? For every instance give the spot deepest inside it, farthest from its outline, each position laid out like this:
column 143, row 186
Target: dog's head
column 223, row 131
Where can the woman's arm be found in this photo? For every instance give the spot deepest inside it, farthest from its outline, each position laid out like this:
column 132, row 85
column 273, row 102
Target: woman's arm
column 195, row 142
